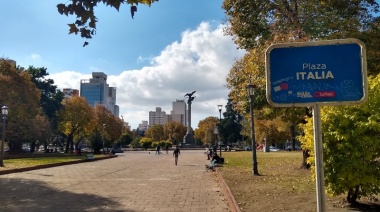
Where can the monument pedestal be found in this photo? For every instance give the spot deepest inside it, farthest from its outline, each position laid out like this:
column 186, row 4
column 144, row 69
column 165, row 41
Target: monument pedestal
column 188, row 139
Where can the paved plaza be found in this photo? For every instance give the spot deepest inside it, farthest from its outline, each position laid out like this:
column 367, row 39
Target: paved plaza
column 134, row 181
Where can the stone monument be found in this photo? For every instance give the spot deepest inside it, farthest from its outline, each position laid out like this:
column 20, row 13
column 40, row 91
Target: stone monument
column 188, row 139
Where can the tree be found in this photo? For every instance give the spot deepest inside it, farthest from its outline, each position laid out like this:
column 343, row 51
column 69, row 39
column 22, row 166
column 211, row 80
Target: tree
column 85, row 23
column 74, row 118
column 351, row 146
column 174, row 131
column 155, row 132
column 274, row 131
column 146, row 143
column 254, row 22
column 50, row 101
column 230, row 127
column 124, row 140
column 51, row 97
column 22, row 97
column 113, row 126
column 205, row 131
column 258, row 24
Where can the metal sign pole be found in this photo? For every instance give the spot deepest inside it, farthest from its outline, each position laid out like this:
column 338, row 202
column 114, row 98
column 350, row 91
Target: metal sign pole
column 318, row 151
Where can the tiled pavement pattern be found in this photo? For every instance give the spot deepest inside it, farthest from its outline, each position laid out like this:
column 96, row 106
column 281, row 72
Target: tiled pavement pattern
column 134, row 181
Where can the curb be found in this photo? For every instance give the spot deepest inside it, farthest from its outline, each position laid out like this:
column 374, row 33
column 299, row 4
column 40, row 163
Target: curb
column 227, row 192
column 10, row 171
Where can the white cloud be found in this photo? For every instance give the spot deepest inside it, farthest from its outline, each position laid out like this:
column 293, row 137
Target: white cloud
column 35, row 56
column 200, row 61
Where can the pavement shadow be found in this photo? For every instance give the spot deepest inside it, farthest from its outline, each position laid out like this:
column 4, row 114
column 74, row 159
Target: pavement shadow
column 30, row 195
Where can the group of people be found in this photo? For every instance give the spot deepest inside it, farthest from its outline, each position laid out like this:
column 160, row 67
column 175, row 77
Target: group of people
column 159, row 147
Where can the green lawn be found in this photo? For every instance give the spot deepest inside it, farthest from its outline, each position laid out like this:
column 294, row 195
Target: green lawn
column 280, row 185
column 24, row 162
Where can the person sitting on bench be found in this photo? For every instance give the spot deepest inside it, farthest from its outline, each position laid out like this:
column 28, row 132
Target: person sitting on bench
column 215, row 159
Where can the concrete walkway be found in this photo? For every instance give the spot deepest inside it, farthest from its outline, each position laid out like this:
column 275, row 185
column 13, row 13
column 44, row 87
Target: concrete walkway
column 134, row 181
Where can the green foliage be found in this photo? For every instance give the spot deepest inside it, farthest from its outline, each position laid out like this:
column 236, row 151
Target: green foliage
column 146, row 143
column 230, row 127
column 254, row 22
column 124, row 140
column 83, row 10
column 136, row 142
column 51, row 97
column 156, row 132
column 96, row 142
column 351, row 146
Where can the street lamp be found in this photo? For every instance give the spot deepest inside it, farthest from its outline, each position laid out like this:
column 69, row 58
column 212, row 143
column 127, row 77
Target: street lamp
column 4, row 112
column 251, row 92
column 122, row 124
column 220, row 124
column 104, row 126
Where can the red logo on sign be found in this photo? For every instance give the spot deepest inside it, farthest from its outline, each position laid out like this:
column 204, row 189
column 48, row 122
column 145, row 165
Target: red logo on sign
column 324, row 94
column 284, row 86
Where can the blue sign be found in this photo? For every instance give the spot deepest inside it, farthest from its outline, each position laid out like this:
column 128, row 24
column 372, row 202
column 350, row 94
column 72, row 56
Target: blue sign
column 327, row 72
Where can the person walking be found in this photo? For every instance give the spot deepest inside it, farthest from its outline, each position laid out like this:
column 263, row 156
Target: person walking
column 176, row 152
column 158, row 150
column 80, row 148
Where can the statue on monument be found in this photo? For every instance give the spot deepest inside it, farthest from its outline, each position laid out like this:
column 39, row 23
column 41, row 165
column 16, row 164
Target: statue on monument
column 190, row 96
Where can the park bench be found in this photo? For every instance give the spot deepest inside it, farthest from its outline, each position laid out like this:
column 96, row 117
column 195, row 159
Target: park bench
column 90, row 156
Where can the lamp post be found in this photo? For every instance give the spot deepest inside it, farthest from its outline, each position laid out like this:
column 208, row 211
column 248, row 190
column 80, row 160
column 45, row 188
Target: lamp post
column 251, row 92
column 220, row 124
column 104, row 126
column 4, row 112
column 122, row 124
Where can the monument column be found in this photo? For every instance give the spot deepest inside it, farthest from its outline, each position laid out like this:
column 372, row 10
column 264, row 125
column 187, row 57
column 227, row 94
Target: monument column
column 189, row 137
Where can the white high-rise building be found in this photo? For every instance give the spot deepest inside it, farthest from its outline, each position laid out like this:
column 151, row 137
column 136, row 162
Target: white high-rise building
column 143, row 126
column 178, row 114
column 157, row 117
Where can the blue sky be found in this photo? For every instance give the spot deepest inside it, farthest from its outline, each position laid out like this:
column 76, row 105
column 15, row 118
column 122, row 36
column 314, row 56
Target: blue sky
column 166, row 51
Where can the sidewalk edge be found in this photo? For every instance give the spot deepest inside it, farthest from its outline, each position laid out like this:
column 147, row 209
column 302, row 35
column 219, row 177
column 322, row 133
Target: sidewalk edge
column 227, row 192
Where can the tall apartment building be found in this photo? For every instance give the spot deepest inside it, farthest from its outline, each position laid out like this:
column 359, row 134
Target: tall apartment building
column 96, row 91
column 178, row 114
column 157, row 117
column 143, row 126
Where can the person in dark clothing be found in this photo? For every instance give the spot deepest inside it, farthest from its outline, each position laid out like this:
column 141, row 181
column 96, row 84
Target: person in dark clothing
column 176, row 152
column 80, row 148
column 158, row 150
column 215, row 158
column 166, row 148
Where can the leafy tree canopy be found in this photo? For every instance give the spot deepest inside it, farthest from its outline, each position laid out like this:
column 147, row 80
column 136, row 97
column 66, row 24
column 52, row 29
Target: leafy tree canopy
column 254, row 22
column 174, row 131
column 85, row 23
column 351, row 146
column 229, row 127
column 155, row 132
column 205, row 131
column 51, row 97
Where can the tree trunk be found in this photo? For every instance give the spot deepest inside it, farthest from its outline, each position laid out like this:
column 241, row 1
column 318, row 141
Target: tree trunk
column 293, row 134
column 305, row 155
column 68, row 142
column 352, row 195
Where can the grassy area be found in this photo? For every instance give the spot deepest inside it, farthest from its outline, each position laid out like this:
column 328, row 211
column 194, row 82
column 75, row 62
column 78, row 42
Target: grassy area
column 281, row 186
column 24, row 162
